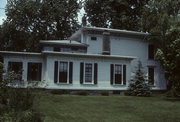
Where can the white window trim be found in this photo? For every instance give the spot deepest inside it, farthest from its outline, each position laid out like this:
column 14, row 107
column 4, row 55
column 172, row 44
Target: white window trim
column 122, row 71
column 68, row 62
column 92, row 82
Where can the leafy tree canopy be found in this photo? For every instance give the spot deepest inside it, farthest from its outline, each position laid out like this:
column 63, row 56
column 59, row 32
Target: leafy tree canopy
column 118, row 14
column 30, row 21
column 160, row 18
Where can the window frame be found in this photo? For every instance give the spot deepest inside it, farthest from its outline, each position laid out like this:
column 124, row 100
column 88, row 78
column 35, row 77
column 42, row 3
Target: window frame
column 92, row 73
column 63, row 69
column 153, row 67
column 68, row 71
column 16, row 72
column 56, row 49
column 93, row 38
column 28, row 70
column 122, row 74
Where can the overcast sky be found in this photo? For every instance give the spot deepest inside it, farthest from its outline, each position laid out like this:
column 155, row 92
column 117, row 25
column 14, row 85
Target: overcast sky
column 3, row 16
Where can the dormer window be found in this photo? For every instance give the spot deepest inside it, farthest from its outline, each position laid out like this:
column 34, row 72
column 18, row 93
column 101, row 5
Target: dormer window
column 93, row 38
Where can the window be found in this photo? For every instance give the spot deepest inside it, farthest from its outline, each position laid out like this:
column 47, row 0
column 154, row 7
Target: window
column 118, row 74
column 66, row 50
column 151, row 75
column 58, row 49
column 88, row 73
column 34, row 71
column 151, row 51
column 74, row 48
column 16, row 67
column 93, row 38
column 63, row 72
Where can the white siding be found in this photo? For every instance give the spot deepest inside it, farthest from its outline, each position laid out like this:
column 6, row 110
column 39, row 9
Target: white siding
column 48, row 49
column 125, row 46
column 95, row 46
column 25, row 60
column 103, row 82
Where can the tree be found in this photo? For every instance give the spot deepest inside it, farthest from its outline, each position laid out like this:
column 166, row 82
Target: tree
column 160, row 18
column 118, row 14
column 30, row 21
column 138, row 85
column 169, row 56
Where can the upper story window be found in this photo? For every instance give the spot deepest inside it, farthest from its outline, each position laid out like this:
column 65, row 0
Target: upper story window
column 93, row 38
column 151, row 51
column 57, row 49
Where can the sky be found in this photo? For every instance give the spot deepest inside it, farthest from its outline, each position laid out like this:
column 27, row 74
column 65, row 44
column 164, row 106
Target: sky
column 2, row 11
column 3, row 16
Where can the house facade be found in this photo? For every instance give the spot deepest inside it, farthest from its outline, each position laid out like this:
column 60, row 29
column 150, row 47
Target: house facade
column 91, row 59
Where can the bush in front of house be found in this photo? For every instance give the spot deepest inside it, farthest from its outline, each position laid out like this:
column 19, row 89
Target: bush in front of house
column 138, row 85
column 105, row 93
column 16, row 104
column 59, row 92
column 83, row 93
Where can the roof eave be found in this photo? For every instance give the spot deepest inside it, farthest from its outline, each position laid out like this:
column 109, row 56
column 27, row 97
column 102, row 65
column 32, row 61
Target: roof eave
column 89, row 55
column 5, row 53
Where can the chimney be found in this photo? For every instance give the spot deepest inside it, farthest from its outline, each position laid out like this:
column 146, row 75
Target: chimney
column 106, row 43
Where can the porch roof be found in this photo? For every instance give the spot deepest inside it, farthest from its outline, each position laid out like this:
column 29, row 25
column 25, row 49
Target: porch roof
column 3, row 53
column 88, row 55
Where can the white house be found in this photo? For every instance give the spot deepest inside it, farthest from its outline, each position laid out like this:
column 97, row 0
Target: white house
column 92, row 59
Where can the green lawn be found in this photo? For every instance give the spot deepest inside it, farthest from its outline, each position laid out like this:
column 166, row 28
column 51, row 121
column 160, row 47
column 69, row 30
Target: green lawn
column 74, row 108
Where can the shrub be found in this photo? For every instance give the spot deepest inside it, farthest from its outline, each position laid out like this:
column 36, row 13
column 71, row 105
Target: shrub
column 16, row 103
column 138, row 85
column 83, row 93
column 105, row 93
column 60, row 92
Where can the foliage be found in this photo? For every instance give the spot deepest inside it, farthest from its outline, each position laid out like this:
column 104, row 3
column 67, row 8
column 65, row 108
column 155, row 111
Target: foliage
column 138, row 85
column 16, row 103
column 118, row 14
column 161, row 19
column 1, row 70
column 60, row 92
column 158, row 16
column 30, row 21
column 169, row 56
column 83, row 93
column 105, row 93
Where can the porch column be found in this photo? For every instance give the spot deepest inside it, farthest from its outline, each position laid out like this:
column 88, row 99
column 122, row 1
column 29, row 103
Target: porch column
column 25, row 68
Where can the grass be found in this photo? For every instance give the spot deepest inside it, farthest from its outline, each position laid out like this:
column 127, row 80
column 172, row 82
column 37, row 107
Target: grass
column 74, row 108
